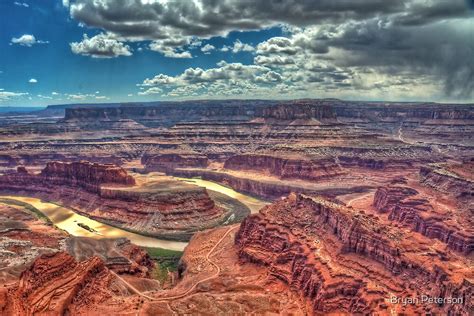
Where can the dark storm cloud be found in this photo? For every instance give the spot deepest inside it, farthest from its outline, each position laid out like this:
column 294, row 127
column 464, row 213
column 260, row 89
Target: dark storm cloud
column 423, row 37
column 444, row 49
column 156, row 20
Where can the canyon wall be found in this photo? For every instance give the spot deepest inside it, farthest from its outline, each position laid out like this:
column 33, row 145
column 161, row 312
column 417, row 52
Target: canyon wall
column 85, row 174
column 345, row 262
column 405, row 206
column 283, row 110
column 170, row 161
column 285, row 168
column 443, row 180
column 79, row 284
column 163, row 208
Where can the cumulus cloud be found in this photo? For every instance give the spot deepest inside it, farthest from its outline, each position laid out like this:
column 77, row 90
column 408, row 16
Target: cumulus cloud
column 327, row 45
column 238, row 47
column 100, row 46
column 33, row 80
column 153, row 90
column 226, row 79
column 27, row 40
column 169, row 50
column 206, row 49
column 207, row 18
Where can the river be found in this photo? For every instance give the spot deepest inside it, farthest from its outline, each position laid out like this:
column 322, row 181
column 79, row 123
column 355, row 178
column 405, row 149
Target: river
column 252, row 203
column 68, row 220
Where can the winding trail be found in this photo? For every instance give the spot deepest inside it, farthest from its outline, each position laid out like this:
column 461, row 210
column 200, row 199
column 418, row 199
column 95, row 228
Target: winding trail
column 218, row 271
column 349, row 203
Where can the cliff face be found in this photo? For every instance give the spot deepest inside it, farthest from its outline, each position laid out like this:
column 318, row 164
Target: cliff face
column 86, row 174
column 167, row 162
column 118, row 255
column 188, row 111
column 311, row 169
column 38, row 288
column 330, row 255
column 162, row 208
column 281, row 110
column 285, row 168
column 405, row 206
column 445, row 181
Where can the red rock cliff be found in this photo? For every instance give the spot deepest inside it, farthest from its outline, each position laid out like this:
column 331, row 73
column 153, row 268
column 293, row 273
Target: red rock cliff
column 87, row 173
column 343, row 261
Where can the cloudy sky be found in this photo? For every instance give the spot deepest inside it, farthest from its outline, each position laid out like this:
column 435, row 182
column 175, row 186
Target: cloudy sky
column 78, row 51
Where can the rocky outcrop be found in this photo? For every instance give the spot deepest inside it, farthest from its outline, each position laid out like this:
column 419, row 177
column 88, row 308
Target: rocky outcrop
column 86, row 174
column 285, row 168
column 443, row 180
column 310, row 169
column 207, row 110
column 119, row 255
column 329, row 254
column 162, row 208
column 404, row 205
column 57, row 284
column 283, row 110
column 170, row 161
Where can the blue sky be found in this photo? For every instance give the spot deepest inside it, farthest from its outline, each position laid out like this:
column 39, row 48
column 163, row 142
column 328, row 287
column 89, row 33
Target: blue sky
column 135, row 51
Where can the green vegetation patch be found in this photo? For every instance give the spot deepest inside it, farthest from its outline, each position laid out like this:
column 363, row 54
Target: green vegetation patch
column 166, row 260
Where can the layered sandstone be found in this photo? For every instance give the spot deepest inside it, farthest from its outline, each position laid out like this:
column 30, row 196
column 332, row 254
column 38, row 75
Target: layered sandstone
column 119, row 255
column 86, row 174
column 345, row 261
column 285, row 168
column 169, row 161
column 444, row 180
column 406, row 206
column 162, row 207
column 77, row 283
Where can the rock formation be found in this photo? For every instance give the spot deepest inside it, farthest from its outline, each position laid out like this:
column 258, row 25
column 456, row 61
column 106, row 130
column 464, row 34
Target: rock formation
column 406, row 206
column 164, row 208
column 86, row 174
column 170, row 161
column 446, row 181
column 57, row 284
column 345, row 262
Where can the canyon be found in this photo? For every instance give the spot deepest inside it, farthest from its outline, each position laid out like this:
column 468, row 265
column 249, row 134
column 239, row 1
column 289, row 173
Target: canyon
column 357, row 205
column 160, row 207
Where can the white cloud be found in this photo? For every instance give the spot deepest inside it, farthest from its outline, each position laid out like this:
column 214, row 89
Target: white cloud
column 100, row 46
column 27, row 40
column 7, row 95
column 172, row 48
column 153, row 90
column 79, row 96
column 226, row 79
column 33, row 80
column 21, row 4
column 238, row 47
column 206, row 49
column 241, row 47
column 54, row 93
column 44, row 97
